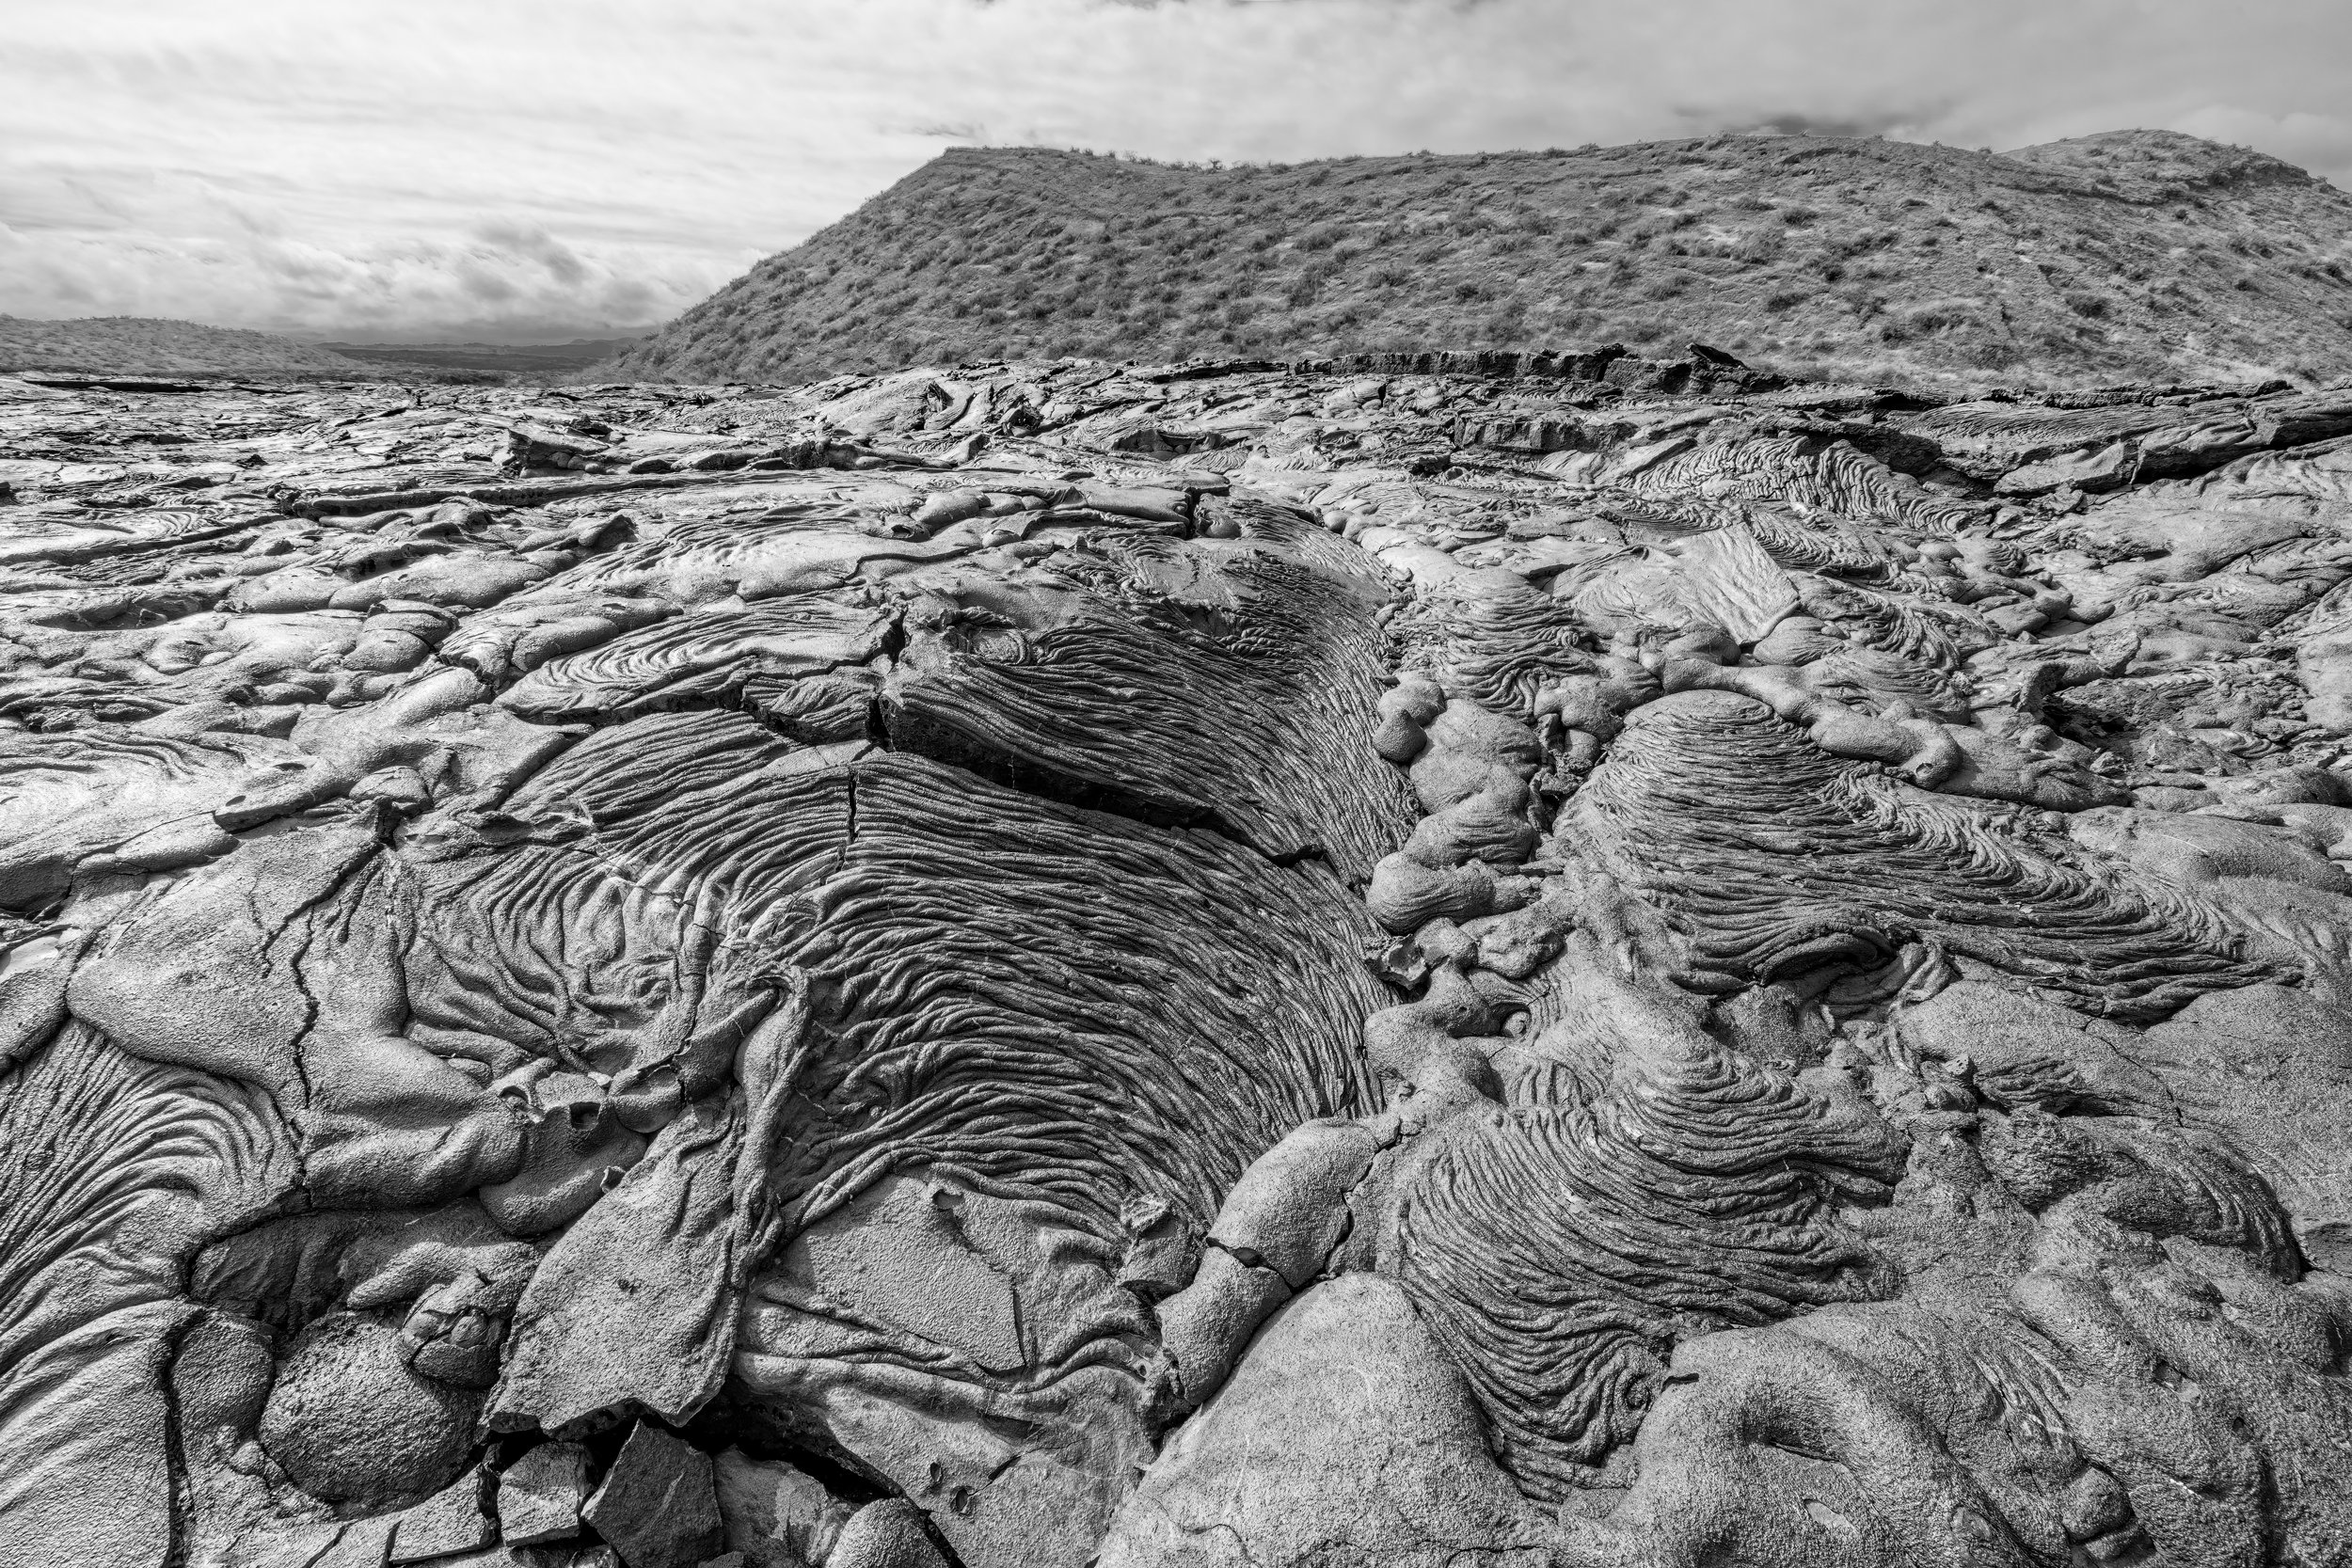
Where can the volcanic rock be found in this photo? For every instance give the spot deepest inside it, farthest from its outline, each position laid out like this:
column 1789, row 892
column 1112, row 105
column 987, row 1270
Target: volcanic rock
column 1581, row 957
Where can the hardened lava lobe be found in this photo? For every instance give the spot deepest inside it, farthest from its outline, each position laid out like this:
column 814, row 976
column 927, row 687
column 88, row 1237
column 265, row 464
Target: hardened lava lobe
column 1558, row 960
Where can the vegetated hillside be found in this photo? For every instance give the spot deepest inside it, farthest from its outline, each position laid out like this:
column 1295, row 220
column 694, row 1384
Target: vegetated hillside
column 148, row 345
column 2133, row 254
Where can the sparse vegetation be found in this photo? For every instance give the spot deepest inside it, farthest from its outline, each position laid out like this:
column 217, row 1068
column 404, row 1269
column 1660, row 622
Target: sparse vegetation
column 2132, row 255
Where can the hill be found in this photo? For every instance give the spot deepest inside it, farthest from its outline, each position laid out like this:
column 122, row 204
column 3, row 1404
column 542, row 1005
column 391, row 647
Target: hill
column 147, row 345
column 2136, row 254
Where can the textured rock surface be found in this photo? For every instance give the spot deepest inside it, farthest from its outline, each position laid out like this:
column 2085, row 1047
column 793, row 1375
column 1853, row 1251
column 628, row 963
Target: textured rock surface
column 541, row 1494
column 1616, row 963
column 659, row 1506
column 1344, row 1435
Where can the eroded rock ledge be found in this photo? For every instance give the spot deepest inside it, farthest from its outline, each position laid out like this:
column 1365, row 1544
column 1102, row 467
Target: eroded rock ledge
column 1058, row 964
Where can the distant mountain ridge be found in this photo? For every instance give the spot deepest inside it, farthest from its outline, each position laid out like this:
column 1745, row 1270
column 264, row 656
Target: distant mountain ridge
column 520, row 358
column 2129, row 254
column 149, row 345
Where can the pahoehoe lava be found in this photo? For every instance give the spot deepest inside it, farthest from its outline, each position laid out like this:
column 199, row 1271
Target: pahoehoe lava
column 1567, row 959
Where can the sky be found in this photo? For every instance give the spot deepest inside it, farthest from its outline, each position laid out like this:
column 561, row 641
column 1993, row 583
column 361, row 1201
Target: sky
column 535, row 171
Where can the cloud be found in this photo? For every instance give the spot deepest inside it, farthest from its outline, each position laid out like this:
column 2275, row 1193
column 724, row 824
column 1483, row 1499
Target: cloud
column 507, row 279
column 344, row 167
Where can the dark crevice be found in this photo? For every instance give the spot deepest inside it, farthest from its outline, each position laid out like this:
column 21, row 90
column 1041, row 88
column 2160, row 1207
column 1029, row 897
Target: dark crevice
column 943, row 744
column 894, row 637
column 180, row 1503
column 848, row 792
column 737, row 1420
column 939, row 1543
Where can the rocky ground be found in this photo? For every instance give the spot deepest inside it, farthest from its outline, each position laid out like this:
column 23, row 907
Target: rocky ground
column 1593, row 961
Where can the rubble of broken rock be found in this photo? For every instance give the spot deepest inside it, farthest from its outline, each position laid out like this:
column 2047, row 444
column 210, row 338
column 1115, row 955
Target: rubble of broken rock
column 1575, row 961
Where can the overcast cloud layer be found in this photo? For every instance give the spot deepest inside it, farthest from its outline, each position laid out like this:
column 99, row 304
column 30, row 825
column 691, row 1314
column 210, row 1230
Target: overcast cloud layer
column 520, row 169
